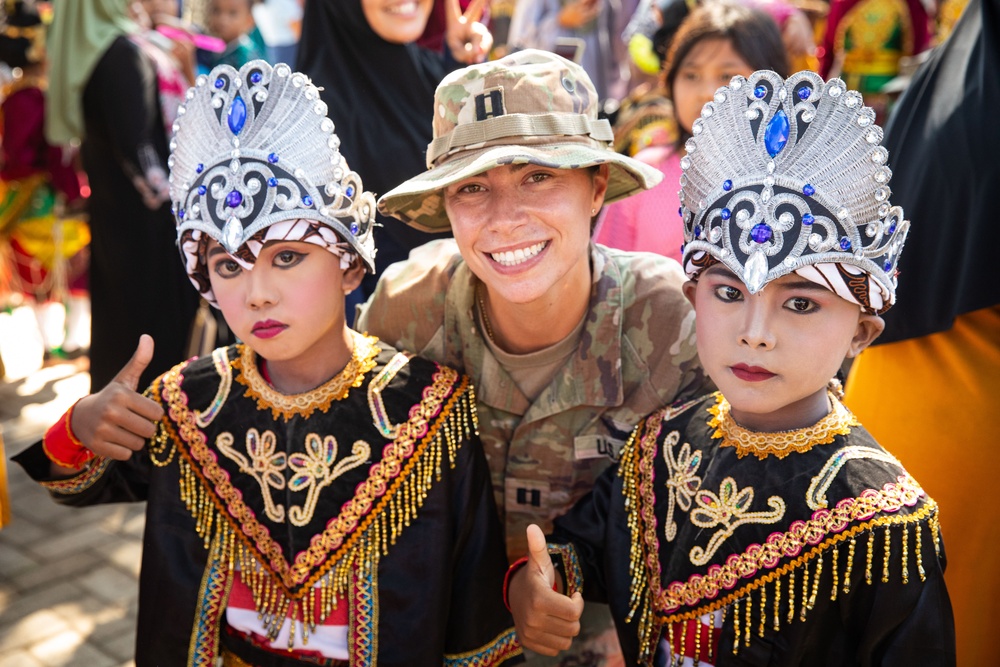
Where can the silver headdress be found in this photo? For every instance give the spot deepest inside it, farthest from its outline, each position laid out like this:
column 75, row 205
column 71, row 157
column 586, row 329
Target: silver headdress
column 253, row 148
column 788, row 175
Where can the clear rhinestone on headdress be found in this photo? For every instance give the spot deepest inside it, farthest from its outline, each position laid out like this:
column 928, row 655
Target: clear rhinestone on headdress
column 249, row 171
column 762, row 148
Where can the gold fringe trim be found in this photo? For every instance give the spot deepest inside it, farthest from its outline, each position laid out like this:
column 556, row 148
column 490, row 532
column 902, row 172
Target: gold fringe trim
column 368, row 525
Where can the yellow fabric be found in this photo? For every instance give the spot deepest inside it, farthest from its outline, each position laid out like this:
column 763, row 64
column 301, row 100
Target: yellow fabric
column 933, row 402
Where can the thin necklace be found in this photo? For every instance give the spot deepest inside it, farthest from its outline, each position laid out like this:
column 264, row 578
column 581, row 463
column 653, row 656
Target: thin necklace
column 482, row 313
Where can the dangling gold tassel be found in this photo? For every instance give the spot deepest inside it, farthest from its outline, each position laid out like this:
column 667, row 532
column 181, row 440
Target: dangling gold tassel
column 736, row 626
column 885, row 559
column 868, row 558
column 746, row 625
column 920, row 558
column 850, row 566
column 777, row 603
column 815, row 586
column 805, row 592
column 763, row 610
column 791, row 597
column 836, row 573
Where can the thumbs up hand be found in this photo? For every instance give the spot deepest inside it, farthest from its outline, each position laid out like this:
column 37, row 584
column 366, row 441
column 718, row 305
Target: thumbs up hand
column 116, row 421
column 546, row 621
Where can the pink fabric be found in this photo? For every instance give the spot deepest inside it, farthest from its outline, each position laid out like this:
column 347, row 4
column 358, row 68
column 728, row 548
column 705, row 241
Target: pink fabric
column 648, row 221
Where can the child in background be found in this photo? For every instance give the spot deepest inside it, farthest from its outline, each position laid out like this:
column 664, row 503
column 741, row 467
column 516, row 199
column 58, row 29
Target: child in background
column 762, row 524
column 313, row 496
column 716, row 42
column 45, row 252
column 232, row 22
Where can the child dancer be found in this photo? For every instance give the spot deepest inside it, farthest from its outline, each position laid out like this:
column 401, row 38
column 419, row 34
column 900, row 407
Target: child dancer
column 716, row 42
column 763, row 524
column 314, row 496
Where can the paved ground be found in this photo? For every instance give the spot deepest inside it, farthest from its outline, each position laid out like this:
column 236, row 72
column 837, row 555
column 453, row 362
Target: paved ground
column 68, row 584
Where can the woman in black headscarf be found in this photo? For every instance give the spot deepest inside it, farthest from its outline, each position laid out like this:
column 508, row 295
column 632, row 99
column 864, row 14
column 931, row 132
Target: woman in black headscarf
column 379, row 88
column 928, row 388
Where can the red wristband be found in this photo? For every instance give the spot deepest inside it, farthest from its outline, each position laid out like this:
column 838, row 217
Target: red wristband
column 514, row 567
column 62, row 447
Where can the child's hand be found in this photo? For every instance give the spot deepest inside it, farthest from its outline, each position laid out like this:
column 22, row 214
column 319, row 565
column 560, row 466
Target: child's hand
column 116, row 421
column 546, row 620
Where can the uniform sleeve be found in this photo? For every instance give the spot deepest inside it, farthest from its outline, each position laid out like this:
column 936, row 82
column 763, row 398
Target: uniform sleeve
column 480, row 629
column 407, row 308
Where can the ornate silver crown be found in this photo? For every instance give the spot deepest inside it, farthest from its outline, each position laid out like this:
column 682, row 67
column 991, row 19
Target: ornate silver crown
column 254, row 147
column 781, row 174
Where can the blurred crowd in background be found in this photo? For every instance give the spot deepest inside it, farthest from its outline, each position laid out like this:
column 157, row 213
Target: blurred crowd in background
column 90, row 90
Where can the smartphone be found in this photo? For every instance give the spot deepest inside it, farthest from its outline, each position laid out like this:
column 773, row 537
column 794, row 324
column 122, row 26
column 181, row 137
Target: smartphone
column 570, row 48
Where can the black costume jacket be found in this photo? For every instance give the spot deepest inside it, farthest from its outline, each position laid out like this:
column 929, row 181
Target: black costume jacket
column 729, row 547
column 371, row 489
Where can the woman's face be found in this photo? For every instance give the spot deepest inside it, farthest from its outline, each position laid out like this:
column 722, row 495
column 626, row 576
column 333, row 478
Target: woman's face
column 397, row 21
column 524, row 229
column 711, row 63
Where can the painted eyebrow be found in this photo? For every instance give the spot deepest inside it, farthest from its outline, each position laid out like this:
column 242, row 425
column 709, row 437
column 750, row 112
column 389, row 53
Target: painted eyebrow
column 215, row 251
column 803, row 285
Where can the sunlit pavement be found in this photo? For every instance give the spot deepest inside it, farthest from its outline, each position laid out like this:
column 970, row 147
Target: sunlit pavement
column 68, row 577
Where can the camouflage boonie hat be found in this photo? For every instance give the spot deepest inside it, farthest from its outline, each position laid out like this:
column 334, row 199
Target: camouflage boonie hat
column 529, row 107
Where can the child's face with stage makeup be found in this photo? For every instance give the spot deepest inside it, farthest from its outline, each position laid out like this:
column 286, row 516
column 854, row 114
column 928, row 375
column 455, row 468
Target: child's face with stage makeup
column 773, row 353
column 289, row 308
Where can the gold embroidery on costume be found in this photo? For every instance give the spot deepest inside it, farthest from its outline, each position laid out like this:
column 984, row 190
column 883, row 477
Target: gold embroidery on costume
column 320, row 398
column 682, row 483
column 816, row 494
column 379, row 416
column 265, row 465
column 220, row 360
column 729, row 509
column 782, row 443
column 310, row 584
column 317, row 468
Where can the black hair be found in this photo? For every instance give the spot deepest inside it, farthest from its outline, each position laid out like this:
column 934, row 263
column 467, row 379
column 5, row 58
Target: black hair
column 753, row 34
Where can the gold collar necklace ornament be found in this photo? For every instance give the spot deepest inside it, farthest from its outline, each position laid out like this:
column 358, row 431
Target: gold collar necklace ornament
column 336, row 389
column 781, row 443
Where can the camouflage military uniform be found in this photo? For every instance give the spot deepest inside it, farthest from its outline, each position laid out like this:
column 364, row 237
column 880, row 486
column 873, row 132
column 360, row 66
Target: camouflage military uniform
column 637, row 353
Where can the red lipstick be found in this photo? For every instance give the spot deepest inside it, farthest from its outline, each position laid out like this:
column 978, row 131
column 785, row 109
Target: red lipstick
column 268, row 328
column 751, row 373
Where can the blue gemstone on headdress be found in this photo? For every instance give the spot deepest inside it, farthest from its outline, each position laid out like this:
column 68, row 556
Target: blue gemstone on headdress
column 237, row 114
column 180, row 214
column 273, row 182
column 776, row 134
column 355, row 228
column 219, row 83
column 680, row 211
column 760, row 91
column 887, row 266
column 808, row 219
column 200, row 168
column 808, row 190
column 697, row 231
column 255, row 77
column 804, row 93
column 761, row 233
column 349, row 191
column 202, row 190
column 307, row 200
column 272, row 158
column 845, row 243
column 234, row 199
column 725, row 213
column 892, row 227
column 727, row 185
